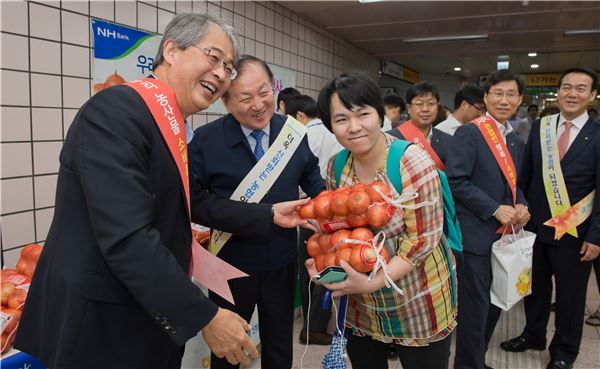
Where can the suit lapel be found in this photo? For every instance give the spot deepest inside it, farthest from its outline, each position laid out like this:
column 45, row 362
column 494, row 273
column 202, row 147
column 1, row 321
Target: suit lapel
column 582, row 140
column 511, row 144
column 276, row 125
column 234, row 136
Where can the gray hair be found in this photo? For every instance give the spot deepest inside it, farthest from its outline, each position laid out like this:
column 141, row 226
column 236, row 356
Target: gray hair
column 186, row 29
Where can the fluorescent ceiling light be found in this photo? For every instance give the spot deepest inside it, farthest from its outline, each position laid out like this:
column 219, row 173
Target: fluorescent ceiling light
column 446, row 38
column 369, row 1
column 582, row 32
column 457, row 69
column 532, row 55
column 534, row 66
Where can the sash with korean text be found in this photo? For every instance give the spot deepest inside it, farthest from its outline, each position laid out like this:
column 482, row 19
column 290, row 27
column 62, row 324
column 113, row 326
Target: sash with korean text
column 206, row 268
column 491, row 134
column 565, row 218
column 411, row 133
column 261, row 177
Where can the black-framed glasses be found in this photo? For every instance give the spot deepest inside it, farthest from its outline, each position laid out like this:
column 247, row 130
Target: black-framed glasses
column 479, row 107
column 217, row 61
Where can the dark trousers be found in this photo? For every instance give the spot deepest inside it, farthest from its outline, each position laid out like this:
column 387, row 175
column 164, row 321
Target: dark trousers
column 477, row 317
column 571, row 278
column 318, row 318
column 273, row 292
column 596, row 263
column 367, row 353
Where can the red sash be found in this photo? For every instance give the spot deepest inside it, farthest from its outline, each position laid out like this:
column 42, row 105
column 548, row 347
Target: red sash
column 411, row 133
column 206, row 268
column 491, row 134
column 160, row 99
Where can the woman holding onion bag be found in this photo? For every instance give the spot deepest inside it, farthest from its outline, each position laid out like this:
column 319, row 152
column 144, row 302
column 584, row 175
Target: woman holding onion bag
column 422, row 318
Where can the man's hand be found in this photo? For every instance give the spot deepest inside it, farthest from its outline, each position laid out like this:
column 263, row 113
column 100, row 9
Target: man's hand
column 226, row 337
column 523, row 215
column 506, row 214
column 589, row 251
column 285, row 214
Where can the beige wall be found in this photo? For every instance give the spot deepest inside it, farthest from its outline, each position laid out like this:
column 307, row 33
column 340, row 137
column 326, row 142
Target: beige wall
column 46, row 77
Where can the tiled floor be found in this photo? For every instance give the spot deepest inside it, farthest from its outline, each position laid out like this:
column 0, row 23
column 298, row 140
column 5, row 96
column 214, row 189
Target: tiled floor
column 510, row 325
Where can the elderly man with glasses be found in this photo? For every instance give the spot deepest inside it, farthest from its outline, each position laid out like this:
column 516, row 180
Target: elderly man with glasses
column 255, row 155
column 111, row 288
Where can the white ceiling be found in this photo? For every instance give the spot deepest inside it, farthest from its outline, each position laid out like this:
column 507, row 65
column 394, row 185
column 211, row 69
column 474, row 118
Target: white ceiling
column 514, row 28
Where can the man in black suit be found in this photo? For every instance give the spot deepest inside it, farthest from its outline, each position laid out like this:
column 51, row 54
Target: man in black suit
column 423, row 102
column 223, row 154
column 111, row 289
column 485, row 200
column 568, row 258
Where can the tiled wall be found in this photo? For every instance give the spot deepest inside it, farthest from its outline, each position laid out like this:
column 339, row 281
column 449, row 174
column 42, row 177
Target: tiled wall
column 46, row 76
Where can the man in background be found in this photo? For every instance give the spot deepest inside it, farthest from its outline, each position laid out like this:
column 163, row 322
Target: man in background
column 525, row 127
column 468, row 105
column 394, row 106
column 283, row 97
column 423, row 100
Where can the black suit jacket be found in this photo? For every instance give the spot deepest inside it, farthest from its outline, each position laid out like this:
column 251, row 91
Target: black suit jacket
column 581, row 172
column 479, row 187
column 220, row 158
column 111, row 287
column 440, row 141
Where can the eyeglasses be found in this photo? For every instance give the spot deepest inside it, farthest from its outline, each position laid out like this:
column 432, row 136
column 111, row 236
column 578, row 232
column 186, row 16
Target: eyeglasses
column 217, row 61
column 479, row 108
column 511, row 95
column 420, row 105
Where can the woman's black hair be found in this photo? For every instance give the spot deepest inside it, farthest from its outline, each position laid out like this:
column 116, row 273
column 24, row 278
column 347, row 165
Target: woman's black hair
column 354, row 89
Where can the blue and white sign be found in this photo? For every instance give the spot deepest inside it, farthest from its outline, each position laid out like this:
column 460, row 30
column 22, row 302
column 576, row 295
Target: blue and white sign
column 121, row 53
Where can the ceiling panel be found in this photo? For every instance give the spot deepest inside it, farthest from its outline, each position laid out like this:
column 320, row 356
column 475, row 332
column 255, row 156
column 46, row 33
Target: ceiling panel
column 513, row 28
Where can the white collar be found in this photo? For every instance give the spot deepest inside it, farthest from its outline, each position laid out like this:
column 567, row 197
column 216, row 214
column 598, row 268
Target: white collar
column 505, row 128
column 578, row 122
column 247, row 131
column 314, row 122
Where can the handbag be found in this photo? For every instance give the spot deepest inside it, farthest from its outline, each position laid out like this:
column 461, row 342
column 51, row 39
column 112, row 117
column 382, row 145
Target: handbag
column 512, row 256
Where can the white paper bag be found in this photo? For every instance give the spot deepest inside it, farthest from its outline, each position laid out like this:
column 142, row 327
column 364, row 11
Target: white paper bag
column 511, row 268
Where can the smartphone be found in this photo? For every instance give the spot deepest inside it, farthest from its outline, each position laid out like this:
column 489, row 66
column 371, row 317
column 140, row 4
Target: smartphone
column 332, row 274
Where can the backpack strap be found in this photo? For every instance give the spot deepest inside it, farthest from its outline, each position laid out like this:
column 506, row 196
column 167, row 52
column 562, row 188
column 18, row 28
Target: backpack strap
column 397, row 149
column 338, row 165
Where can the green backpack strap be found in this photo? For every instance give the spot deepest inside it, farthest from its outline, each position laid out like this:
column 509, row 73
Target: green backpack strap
column 395, row 154
column 338, row 165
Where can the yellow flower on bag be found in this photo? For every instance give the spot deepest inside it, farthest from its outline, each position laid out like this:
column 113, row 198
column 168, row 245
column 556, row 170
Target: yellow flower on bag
column 524, row 282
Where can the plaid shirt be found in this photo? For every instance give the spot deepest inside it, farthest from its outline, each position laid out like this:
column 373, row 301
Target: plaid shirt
column 427, row 311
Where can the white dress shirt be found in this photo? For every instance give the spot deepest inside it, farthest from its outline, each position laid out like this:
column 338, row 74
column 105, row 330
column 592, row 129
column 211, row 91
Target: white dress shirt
column 578, row 124
column 504, row 129
column 322, row 143
column 449, row 126
column 387, row 124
